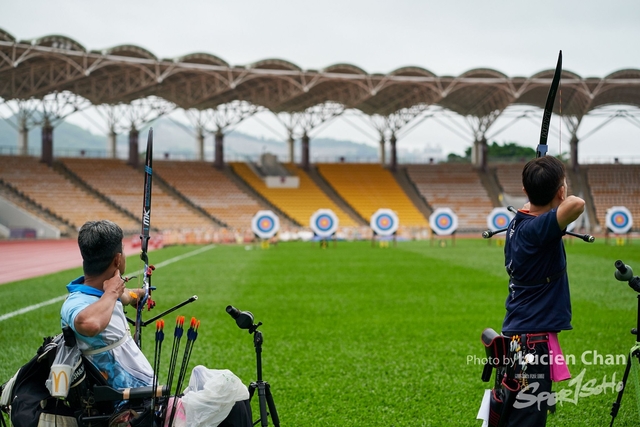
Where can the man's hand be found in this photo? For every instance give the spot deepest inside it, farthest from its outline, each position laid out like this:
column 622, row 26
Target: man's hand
column 132, row 296
column 114, row 285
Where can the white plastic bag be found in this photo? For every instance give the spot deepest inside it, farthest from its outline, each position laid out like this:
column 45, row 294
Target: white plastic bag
column 211, row 395
column 64, row 365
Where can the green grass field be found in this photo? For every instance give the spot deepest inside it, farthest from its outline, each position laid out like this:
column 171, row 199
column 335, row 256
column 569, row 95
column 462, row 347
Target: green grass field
column 362, row 336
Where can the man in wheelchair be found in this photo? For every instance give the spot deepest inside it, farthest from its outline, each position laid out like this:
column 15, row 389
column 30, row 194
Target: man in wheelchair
column 112, row 383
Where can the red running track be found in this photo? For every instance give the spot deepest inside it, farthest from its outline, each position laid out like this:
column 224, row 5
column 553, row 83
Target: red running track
column 23, row 259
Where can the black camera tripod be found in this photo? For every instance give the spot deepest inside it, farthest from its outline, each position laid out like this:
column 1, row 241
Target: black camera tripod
column 244, row 320
column 625, row 274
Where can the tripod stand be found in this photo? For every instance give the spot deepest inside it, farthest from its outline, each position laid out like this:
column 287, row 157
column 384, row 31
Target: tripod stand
column 244, row 320
column 264, row 389
column 624, row 273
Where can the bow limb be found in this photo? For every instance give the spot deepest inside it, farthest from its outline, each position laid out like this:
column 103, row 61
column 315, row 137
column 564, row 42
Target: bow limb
column 548, row 109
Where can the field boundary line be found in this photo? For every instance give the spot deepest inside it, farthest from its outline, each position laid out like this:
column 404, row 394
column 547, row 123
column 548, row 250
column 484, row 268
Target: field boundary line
column 62, row 297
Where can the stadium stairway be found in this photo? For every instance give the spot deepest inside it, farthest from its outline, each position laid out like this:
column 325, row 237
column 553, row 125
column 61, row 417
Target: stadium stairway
column 285, row 220
column 614, row 185
column 67, row 173
column 123, row 184
column 298, row 203
column 334, row 196
column 21, row 200
column 369, row 187
column 456, row 186
column 409, row 188
column 54, row 192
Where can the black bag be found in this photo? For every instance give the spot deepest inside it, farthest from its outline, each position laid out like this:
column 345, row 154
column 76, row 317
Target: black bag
column 29, row 395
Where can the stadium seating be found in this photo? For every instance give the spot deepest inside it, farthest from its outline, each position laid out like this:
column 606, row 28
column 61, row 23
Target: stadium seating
column 298, row 203
column 123, row 185
column 210, row 189
column 56, row 193
column 615, row 185
column 456, row 186
column 369, row 187
column 510, row 178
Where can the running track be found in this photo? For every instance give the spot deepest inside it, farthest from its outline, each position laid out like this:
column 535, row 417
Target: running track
column 21, row 259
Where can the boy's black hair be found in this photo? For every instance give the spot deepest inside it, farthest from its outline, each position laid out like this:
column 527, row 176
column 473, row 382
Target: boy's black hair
column 99, row 242
column 542, row 178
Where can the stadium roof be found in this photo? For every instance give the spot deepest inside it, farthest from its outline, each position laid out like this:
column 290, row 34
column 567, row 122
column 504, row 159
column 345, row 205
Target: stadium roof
column 121, row 74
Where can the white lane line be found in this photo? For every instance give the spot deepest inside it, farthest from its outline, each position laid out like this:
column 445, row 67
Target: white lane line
column 62, row 297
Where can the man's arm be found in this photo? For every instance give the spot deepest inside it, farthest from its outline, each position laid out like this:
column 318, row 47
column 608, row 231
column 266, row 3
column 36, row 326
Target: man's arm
column 569, row 210
column 95, row 318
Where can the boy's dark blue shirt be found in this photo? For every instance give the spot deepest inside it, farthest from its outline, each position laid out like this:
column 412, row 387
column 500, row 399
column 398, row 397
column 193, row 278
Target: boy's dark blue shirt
column 533, row 252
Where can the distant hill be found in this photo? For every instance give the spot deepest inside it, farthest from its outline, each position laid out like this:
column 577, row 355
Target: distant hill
column 178, row 142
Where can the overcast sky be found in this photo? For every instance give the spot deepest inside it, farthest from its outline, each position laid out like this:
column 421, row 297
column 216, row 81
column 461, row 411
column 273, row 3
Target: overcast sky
column 516, row 37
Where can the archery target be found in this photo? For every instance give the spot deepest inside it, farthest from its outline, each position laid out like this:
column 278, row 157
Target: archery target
column 443, row 221
column 619, row 219
column 324, row 223
column 499, row 218
column 265, row 224
column 384, row 222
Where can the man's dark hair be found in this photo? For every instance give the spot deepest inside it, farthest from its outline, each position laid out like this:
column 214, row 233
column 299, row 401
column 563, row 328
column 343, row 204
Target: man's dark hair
column 542, row 178
column 99, row 242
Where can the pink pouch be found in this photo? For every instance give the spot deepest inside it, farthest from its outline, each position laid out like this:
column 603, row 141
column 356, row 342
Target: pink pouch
column 180, row 419
column 557, row 364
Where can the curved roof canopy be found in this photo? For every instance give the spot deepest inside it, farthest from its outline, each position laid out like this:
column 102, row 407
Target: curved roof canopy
column 121, row 74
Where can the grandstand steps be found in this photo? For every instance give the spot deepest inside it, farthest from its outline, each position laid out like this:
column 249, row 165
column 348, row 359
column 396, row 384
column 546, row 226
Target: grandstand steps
column 489, row 180
column 247, row 189
column 334, row 196
column 412, row 192
column 12, row 194
column 63, row 170
column 177, row 194
column 580, row 187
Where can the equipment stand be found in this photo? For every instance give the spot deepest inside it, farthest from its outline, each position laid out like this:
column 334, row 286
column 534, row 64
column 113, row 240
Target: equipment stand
column 264, row 389
column 633, row 353
column 625, row 273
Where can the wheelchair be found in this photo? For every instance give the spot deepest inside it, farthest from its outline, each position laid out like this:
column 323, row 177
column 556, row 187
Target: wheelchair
column 91, row 402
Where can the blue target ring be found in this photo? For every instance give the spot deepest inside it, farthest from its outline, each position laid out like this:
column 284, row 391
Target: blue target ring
column 385, row 222
column 444, row 221
column 500, row 221
column 620, row 219
column 265, row 224
column 324, row 222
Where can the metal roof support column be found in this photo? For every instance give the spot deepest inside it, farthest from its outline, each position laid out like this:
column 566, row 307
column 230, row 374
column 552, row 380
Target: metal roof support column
column 573, row 157
column 200, row 143
column 47, row 142
column 291, row 143
column 112, row 143
column 305, row 151
column 479, row 153
column 133, row 147
column 393, row 161
column 23, row 136
column 219, row 149
column 383, row 153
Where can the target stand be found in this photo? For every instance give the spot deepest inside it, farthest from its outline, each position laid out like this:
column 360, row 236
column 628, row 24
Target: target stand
column 443, row 223
column 618, row 221
column 265, row 225
column 384, row 224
